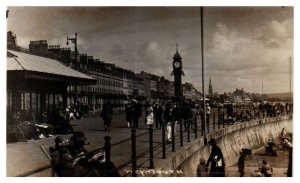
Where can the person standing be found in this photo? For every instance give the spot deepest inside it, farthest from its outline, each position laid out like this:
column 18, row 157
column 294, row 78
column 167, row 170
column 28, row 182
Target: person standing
column 169, row 118
column 106, row 114
column 194, row 115
column 177, row 116
column 158, row 112
column 149, row 114
column 241, row 164
column 136, row 113
column 128, row 111
column 283, row 134
column 186, row 115
column 208, row 111
column 216, row 160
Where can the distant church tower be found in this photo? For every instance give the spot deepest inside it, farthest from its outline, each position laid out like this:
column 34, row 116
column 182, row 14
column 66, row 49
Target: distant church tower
column 210, row 89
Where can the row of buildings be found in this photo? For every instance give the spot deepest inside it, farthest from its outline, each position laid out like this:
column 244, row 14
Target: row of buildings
column 112, row 83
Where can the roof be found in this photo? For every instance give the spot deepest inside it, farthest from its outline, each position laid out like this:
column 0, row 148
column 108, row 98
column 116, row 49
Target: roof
column 177, row 55
column 19, row 61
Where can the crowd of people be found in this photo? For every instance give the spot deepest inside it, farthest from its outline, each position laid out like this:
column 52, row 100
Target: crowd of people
column 232, row 113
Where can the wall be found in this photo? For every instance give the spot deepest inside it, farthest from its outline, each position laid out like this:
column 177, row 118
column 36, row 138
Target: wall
column 231, row 140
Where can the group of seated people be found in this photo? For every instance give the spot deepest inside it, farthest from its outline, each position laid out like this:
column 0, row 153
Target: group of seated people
column 33, row 126
column 285, row 141
column 71, row 159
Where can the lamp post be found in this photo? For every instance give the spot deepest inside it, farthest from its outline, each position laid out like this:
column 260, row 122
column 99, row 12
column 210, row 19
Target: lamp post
column 290, row 68
column 74, row 41
column 203, row 91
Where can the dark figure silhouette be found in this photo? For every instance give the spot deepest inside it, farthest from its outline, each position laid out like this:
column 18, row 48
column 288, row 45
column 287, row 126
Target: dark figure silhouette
column 216, row 160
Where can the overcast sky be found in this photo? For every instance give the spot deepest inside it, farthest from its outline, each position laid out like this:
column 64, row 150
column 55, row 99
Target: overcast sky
column 243, row 46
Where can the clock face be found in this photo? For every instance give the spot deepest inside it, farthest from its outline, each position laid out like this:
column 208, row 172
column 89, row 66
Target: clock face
column 176, row 64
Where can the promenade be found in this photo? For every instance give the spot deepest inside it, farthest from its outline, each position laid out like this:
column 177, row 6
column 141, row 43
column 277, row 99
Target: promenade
column 24, row 157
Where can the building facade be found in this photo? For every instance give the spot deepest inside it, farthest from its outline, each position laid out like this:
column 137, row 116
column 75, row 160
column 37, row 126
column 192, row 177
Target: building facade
column 113, row 83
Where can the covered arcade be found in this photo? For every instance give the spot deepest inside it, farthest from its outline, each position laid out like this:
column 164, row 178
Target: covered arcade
column 39, row 84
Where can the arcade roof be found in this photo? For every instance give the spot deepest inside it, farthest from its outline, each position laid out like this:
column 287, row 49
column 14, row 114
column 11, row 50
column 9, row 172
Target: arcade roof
column 19, row 61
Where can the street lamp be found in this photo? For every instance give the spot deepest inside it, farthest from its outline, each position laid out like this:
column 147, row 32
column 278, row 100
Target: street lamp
column 74, row 40
column 203, row 90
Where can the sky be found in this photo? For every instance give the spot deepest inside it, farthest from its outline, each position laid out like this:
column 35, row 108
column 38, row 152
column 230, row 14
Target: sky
column 244, row 47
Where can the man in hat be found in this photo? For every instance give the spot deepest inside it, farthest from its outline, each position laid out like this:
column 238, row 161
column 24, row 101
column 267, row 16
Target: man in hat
column 61, row 159
column 136, row 113
column 241, row 164
column 78, row 140
column 216, row 160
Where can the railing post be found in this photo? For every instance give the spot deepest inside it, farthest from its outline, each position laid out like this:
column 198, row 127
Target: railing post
column 173, row 135
column 181, row 133
column 228, row 122
column 133, row 152
column 188, row 130
column 214, row 122
column 224, row 119
column 207, row 122
column 219, row 120
column 163, row 128
column 107, row 147
column 151, row 145
column 202, row 124
column 196, row 127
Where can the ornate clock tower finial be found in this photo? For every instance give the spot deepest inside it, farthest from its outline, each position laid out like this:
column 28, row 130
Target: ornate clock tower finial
column 177, row 72
column 177, row 55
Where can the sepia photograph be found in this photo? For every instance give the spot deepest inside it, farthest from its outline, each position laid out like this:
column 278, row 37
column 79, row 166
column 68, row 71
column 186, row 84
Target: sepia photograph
column 149, row 91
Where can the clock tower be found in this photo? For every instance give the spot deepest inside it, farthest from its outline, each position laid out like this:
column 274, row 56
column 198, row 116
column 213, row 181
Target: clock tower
column 177, row 72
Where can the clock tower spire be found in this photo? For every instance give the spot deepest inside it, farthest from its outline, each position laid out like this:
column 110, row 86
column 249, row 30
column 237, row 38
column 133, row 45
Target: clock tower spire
column 177, row 72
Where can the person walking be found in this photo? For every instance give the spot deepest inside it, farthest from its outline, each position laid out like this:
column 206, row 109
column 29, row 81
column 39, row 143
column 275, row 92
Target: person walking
column 216, row 160
column 106, row 114
column 149, row 117
column 128, row 111
column 177, row 114
column 169, row 118
column 136, row 113
column 158, row 112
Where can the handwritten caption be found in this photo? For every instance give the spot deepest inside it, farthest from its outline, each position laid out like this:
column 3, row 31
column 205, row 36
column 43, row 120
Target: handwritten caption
column 154, row 171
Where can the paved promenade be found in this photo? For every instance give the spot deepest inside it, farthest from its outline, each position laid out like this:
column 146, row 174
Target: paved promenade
column 23, row 157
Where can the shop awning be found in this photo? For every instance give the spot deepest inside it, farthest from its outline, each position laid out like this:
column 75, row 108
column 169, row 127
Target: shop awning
column 37, row 67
